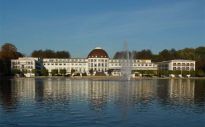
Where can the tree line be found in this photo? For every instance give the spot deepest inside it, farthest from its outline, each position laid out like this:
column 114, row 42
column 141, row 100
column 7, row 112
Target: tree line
column 50, row 54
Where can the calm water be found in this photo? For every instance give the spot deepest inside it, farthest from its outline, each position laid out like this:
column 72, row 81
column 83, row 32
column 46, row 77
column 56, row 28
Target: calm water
column 64, row 102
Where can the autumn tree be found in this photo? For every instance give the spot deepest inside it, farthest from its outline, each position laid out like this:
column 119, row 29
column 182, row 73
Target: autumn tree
column 9, row 51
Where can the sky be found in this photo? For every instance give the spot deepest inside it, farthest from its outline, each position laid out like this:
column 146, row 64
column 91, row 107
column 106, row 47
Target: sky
column 78, row 26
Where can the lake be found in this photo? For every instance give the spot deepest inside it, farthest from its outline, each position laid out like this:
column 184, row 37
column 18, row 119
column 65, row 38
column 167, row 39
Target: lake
column 58, row 102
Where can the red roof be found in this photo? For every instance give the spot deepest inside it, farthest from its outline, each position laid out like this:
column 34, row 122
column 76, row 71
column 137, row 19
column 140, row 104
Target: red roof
column 98, row 53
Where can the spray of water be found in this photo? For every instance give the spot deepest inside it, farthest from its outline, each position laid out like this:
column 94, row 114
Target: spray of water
column 126, row 63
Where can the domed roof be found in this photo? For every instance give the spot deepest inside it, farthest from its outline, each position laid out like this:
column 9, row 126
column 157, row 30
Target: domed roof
column 98, row 53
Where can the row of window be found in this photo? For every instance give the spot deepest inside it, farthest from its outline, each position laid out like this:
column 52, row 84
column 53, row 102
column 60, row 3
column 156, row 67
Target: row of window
column 92, row 60
column 99, row 64
column 63, row 64
column 98, row 60
column 132, row 61
column 139, row 65
column 66, row 60
column 99, row 69
column 17, row 63
column 97, row 56
column 23, row 67
column 95, row 65
column 183, row 68
column 69, row 69
column 183, row 64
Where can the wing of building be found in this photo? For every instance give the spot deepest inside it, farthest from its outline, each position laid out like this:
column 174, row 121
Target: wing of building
column 179, row 64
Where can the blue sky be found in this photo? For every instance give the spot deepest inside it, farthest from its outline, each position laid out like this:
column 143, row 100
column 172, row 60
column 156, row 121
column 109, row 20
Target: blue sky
column 81, row 25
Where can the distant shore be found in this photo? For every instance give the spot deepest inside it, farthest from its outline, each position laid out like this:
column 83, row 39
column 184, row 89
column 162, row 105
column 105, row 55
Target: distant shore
column 100, row 77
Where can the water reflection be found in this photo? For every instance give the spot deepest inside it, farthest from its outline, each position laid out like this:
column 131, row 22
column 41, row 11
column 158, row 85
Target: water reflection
column 97, row 95
column 8, row 99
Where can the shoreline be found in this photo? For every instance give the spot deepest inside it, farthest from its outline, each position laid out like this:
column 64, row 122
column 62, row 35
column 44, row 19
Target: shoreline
column 102, row 78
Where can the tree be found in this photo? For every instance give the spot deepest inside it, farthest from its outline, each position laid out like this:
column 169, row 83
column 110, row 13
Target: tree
column 200, row 73
column 122, row 55
column 62, row 54
column 144, row 54
column 91, row 71
column 200, row 58
column 9, row 51
column 50, row 54
column 187, row 53
column 54, row 72
column 16, row 71
column 73, row 71
column 109, row 71
column 62, row 71
column 44, row 72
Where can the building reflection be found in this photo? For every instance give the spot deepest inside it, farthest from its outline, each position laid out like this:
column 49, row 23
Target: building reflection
column 181, row 90
column 99, row 94
column 24, row 89
column 186, row 92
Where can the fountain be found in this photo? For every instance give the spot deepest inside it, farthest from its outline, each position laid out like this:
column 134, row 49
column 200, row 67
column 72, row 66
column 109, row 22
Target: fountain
column 126, row 63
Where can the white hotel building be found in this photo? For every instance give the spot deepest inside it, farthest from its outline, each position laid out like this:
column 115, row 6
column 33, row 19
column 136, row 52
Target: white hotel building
column 27, row 65
column 97, row 60
column 184, row 65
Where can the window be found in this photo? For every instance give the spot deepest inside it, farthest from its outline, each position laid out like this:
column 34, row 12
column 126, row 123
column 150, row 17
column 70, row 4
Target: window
column 178, row 64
